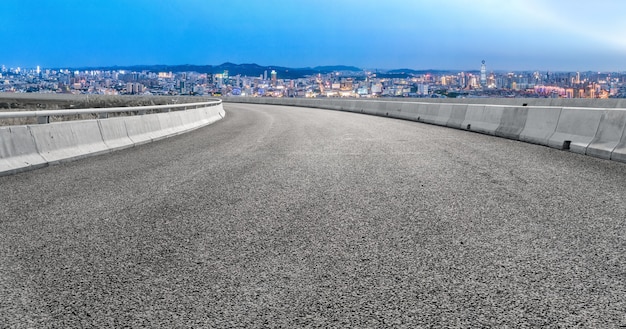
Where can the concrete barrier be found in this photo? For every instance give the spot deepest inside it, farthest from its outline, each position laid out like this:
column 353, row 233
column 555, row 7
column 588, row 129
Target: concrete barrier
column 190, row 119
column 143, row 129
column 585, row 102
column 18, row 151
column 619, row 152
column 379, row 108
column 114, row 133
column 393, row 109
column 336, row 104
column 307, row 102
column 457, row 115
column 171, row 123
column 512, row 122
column 556, row 123
column 482, row 119
column 64, row 141
column 429, row 113
column 28, row 147
column 610, row 132
column 540, row 124
column 213, row 114
column 352, row 106
column 408, row 111
column 361, row 107
column 576, row 129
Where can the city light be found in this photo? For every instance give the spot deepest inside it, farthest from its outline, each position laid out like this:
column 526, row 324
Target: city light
column 344, row 84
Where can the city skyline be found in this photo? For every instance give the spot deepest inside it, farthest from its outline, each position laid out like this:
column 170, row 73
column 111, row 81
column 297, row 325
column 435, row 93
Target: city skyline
column 520, row 35
column 344, row 82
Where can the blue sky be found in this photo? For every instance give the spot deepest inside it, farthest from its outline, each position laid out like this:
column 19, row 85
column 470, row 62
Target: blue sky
column 573, row 35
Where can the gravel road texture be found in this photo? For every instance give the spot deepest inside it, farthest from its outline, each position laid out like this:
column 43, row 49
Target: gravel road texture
column 291, row 217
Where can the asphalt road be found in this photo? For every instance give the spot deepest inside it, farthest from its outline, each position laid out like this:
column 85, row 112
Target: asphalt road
column 290, row 217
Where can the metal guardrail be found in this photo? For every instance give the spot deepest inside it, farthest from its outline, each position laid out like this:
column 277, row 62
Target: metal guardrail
column 43, row 117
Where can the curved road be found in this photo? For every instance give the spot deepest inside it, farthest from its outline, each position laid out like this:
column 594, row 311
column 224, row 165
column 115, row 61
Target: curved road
column 290, row 217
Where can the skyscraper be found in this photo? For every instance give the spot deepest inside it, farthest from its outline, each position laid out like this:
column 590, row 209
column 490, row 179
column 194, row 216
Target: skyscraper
column 483, row 74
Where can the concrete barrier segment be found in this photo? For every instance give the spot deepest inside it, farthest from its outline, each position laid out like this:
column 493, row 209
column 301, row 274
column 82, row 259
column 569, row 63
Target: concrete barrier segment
column 114, row 134
column 512, row 122
column 619, row 152
column 185, row 117
column 332, row 104
column 368, row 107
column 329, row 104
column 171, row 122
column 389, row 109
column 18, row 151
column 534, row 102
column 482, row 119
column 143, row 128
column 376, row 108
column 610, row 133
column 213, row 114
column 310, row 102
column 191, row 118
column 429, row 113
column 483, row 101
column 395, row 110
column 70, row 140
column 299, row 101
column 540, row 124
column 420, row 111
column 576, row 129
column 457, row 115
column 585, row 102
column 407, row 111
column 350, row 105
column 89, row 137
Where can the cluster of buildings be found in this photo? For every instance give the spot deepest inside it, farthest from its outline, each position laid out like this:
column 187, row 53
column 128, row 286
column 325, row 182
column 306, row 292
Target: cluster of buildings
column 479, row 83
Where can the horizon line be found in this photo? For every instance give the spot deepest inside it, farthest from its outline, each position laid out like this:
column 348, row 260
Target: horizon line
column 310, row 67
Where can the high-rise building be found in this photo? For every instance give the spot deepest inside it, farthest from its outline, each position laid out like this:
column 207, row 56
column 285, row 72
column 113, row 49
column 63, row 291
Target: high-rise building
column 472, row 82
column 273, row 78
column 462, row 80
column 483, row 74
column 422, row 89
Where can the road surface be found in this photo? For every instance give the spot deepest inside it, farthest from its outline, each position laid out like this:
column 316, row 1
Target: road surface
column 290, row 217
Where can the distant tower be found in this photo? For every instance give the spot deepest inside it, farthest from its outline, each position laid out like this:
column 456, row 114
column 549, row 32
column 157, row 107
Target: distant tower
column 483, row 74
column 273, row 78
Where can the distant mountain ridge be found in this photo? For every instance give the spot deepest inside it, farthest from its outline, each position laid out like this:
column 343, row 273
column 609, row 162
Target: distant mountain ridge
column 337, row 68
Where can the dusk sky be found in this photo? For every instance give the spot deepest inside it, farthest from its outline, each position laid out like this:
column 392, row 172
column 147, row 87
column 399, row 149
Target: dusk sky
column 555, row 35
